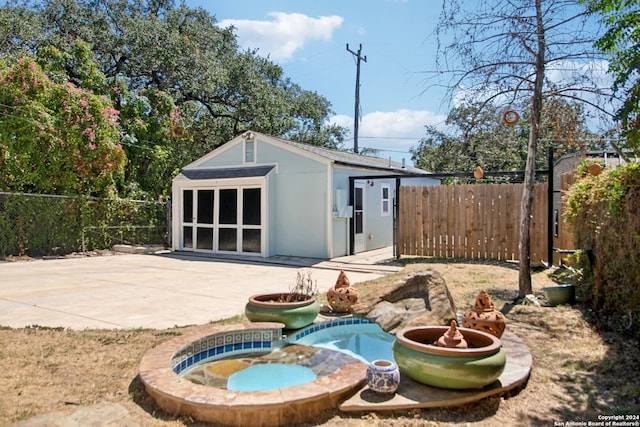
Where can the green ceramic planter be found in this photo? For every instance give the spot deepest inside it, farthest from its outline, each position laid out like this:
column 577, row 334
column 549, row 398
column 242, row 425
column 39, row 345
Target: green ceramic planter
column 453, row 368
column 294, row 315
column 560, row 294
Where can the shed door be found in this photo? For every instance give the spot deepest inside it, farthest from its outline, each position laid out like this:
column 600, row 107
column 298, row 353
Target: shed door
column 240, row 220
column 198, row 219
column 359, row 244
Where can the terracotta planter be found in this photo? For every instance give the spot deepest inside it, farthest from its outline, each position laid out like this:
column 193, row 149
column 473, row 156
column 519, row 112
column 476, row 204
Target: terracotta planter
column 456, row 368
column 294, row 315
column 383, row 376
column 560, row 294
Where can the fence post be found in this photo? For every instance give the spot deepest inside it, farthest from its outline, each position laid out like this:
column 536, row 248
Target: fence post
column 169, row 220
column 550, row 193
column 396, row 217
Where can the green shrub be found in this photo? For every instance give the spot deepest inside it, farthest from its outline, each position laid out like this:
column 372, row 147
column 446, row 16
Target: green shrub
column 604, row 214
column 41, row 225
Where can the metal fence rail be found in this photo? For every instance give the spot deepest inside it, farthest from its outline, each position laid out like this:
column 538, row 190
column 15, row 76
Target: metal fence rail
column 44, row 224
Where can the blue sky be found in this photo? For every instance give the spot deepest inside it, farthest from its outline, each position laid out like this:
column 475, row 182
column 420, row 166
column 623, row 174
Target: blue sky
column 308, row 39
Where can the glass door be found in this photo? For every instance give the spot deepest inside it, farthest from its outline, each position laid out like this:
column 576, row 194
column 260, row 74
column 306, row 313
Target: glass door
column 251, row 220
column 197, row 219
column 188, row 219
column 240, row 220
column 228, row 220
column 358, row 218
column 204, row 219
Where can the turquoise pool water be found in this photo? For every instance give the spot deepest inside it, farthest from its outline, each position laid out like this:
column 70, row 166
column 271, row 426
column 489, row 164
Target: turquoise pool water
column 311, row 353
column 270, row 376
column 366, row 341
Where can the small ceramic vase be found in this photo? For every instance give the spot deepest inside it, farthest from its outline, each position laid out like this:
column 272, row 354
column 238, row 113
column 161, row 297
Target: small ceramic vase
column 342, row 296
column 484, row 316
column 383, row 376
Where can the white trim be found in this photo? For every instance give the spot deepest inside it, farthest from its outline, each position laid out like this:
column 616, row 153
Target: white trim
column 244, row 151
column 217, row 185
column 330, row 194
column 388, row 199
column 360, row 245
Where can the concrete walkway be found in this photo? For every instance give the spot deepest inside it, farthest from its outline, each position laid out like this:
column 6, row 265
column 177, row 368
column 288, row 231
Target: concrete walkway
column 159, row 290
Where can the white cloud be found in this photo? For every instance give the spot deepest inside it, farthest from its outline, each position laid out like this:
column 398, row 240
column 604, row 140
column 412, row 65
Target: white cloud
column 395, row 131
column 282, row 36
column 567, row 72
column 581, row 80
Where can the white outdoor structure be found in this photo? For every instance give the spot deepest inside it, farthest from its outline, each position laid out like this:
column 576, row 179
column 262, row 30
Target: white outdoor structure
column 265, row 196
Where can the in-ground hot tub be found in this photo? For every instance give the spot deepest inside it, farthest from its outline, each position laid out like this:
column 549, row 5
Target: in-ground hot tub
column 162, row 366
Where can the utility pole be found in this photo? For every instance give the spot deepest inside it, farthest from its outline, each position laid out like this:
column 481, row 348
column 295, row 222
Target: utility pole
column 356, row 116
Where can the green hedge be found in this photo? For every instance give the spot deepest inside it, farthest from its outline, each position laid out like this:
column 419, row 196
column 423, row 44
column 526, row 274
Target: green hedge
column 42, row 225
column 604, row 213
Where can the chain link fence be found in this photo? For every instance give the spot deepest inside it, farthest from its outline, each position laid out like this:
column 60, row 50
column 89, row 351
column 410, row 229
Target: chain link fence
column 38, row 225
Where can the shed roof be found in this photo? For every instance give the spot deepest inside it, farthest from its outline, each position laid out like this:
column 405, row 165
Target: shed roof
column 352, row 159
column 221, row 173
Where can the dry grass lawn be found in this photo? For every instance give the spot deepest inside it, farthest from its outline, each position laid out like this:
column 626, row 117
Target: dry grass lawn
column 578, row 372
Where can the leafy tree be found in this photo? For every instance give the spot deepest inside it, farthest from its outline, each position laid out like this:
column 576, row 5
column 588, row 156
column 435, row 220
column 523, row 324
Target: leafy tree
column 478, row 138
column 181, row 51
column 19, row 27
column 55, row 138
column 622, row 42
column 152, row 135
column 150, row 50
column 509, row 51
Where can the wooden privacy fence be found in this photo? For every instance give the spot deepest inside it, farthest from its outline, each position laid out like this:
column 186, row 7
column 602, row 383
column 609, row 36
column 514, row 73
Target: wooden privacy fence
column 479, row 221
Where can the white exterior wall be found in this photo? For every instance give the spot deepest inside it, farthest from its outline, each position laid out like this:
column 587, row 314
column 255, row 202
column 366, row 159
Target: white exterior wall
column 378, row 229
column 296, row 196
column 299, row 190
column 272, row 205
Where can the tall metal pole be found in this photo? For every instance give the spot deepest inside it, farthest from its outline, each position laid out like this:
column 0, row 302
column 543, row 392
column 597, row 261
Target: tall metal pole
column 356, row 116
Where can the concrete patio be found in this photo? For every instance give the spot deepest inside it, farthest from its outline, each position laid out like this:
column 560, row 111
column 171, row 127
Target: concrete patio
column 159, row 290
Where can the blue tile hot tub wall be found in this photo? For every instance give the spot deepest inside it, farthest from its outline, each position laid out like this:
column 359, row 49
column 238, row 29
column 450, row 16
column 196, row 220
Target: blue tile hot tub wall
column 327, row 325
column 231, row 343
column 225, row 344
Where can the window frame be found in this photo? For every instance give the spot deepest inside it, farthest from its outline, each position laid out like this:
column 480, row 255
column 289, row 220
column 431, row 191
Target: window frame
column 252, row 151
column 385, row 211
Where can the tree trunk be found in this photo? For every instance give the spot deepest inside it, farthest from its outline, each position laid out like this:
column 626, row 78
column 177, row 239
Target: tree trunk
column 524, row 242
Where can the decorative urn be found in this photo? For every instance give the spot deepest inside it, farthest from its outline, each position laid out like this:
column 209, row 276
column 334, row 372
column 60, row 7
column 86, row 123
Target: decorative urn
column 484, row 316
column 383, row 376
column 452, row 338
column 342, row 296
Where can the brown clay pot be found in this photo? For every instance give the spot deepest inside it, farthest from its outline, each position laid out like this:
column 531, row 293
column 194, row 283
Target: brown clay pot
column 342, row 296
column 484, row 316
